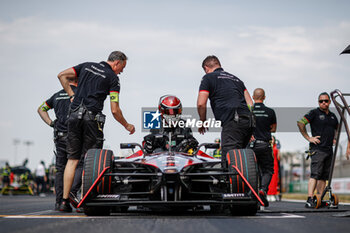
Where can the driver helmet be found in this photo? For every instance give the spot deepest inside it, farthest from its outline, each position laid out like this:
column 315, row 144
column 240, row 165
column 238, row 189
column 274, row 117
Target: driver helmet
column 170, row 108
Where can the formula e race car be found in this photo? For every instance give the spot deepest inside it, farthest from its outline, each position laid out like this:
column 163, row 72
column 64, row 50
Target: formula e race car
column 168, row 179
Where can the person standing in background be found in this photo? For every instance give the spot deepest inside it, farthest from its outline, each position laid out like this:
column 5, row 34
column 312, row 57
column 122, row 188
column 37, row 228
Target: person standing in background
column 266, row 124
column 323, row 125
column 40, row 179
column 274, row 187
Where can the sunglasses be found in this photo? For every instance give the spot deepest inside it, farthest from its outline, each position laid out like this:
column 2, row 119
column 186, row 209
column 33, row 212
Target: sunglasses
column 321, row 101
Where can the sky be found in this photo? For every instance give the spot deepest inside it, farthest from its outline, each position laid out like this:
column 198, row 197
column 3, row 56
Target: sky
column 289, row 48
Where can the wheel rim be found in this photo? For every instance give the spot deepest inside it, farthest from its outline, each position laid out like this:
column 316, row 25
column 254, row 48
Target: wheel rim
column 317, row 201
column 334, row 199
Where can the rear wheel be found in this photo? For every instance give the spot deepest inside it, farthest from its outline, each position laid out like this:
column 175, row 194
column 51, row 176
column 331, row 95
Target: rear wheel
column 244, row 160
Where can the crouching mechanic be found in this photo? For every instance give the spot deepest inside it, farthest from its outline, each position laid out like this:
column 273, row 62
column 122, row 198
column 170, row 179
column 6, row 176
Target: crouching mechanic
column 171, row 134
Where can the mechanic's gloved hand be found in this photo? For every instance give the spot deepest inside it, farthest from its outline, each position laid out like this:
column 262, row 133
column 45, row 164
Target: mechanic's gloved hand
column 193, row 143
column 187, row 144
column 148, row 143
column 148, row 147
column 53, row 123
column 182, row 146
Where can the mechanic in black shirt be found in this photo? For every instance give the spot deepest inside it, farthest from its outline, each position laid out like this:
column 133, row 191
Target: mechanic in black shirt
column 323, row 125
column 261, row 144
column 182, row 140
column 60, row 103
column 230, row 102
column 95, row 82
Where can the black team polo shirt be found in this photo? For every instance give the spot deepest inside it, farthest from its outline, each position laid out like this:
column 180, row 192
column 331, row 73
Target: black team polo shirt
column 60, row 102
column 323, row 125
column 226, row 94
column 265, row 117
column 95, row 82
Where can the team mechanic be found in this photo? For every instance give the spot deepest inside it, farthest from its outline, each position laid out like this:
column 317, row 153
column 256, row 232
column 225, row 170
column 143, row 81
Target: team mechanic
column 230, row 102
column 323, row 125
column 60, row 103
column 261, row 141
column 95, row 82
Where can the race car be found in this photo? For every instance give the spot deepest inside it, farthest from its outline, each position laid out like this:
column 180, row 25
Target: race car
column 170, row 179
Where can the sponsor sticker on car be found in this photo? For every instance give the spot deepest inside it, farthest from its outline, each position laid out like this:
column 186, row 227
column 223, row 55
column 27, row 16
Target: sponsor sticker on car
column 233, row 195
column 113, row 196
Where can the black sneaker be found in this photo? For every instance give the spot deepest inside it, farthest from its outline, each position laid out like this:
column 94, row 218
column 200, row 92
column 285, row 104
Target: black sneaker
column 263, row 197
column 65, row 206
column 310, row 203
column 73, row 199
column 57, row 206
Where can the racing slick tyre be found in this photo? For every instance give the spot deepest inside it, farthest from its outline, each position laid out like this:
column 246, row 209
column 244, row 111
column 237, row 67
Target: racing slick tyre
column 245, row 161
column 96, row 160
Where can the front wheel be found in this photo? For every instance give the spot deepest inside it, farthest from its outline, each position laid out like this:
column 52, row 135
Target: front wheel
column 244, row 160
column 96, row 160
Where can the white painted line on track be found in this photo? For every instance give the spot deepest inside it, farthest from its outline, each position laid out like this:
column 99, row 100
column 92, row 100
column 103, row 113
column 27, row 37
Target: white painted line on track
column 39, row 212
column 293, row 200
column 283, row 215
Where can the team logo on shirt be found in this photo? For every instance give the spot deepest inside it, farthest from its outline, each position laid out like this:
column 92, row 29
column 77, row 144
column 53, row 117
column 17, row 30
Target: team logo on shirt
column 151, row 120
column 322, row 117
